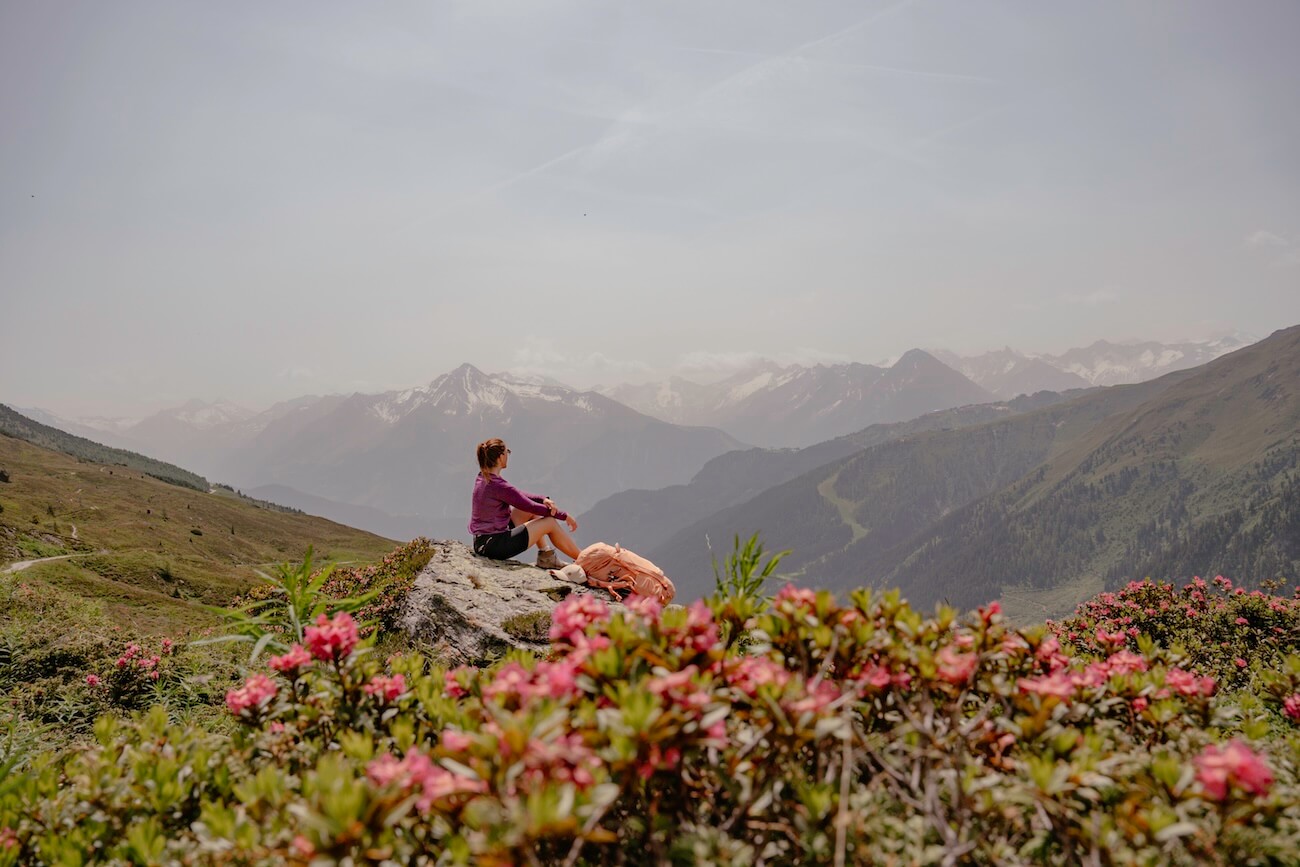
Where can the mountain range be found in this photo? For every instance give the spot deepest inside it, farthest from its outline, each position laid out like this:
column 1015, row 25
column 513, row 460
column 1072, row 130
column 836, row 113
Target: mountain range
column 397, row 462
column 402, row 462
column 795, row 405
column 799, row 406
column 1007, row 373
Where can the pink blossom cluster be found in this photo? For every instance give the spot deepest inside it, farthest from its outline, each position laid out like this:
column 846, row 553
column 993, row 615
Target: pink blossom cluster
column 256, row 693
column 416, row 771
column 134, row 659
column 681, row 689
column 1291, row 707
column 1063, row 683
column 571, row 618
column 292, row 662
column 565, row 759
column 456, row 741
column 749, row 673
column 385, row 688
column 8, row 838
column 1188, row 684
column 332, row 639
column 954, row 666
column 553, row 680
column 791, row 598
column 1220, row 768
column 451, row 681
column 874, row 676
column 648, row 608
column 816, row 701
column 699, row 634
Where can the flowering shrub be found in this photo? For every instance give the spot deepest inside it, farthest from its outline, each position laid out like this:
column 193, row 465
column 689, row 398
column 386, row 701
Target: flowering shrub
column 388, row 580
column 862, row 732
column 1233, row 638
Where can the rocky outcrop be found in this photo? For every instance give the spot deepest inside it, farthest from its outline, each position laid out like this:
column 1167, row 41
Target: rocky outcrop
column 469, row 609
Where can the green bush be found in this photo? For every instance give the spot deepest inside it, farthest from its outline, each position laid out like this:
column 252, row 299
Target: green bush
column 861, row 733
column 535, row 627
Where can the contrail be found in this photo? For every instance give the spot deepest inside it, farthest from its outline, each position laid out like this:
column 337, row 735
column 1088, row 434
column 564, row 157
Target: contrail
column 736, row 76
column 833, row 64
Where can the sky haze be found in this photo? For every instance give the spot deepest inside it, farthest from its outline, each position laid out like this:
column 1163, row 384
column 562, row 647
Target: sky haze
column 258, row 201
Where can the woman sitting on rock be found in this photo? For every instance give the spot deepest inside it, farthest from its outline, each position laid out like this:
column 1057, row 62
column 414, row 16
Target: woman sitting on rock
column 506, row 521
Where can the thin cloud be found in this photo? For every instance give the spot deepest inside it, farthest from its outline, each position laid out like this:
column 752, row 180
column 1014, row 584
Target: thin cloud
column 833, row 64
column 617, row 135
column 1265, row 238
column 1287, row 252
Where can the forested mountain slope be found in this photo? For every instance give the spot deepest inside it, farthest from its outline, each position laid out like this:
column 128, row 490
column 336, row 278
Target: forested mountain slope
column 876, row 516
column 644, row 519
column 1201, row 478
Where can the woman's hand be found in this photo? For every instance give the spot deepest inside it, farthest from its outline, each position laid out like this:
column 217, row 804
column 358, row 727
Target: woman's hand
column 573, row 524
column 550, row 505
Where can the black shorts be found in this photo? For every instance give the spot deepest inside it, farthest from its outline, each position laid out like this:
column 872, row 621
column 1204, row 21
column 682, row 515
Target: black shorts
column 503, row 545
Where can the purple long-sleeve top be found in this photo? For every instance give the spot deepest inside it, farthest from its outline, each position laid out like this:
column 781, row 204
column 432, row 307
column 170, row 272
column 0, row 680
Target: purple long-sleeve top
column 493, row 497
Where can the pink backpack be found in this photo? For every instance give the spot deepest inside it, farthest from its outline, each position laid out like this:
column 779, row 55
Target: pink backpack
column 611, row 568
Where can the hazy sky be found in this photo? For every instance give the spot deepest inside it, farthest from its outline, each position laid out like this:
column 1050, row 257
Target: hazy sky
column 262, row 200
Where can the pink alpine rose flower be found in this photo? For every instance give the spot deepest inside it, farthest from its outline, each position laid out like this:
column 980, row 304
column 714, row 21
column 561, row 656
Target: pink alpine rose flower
column 93, row 680
column 955, row 667
column 386, row 689
column 332, row 639
column 290, row 663
column 1218, row 768
column 1291, row 707
column 1059, row 684
column 254, row 695
column 571, row 617
column 456, row 741
column 1186, row 683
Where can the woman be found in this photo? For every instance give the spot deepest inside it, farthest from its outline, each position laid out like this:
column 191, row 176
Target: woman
column 506, row 521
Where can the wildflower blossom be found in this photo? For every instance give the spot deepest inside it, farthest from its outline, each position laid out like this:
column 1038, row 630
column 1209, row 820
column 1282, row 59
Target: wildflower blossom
column 954, row 667
column 1218, row 768
column 332, row 639
column 290, row 663
column 386, row 688
column 255, row 694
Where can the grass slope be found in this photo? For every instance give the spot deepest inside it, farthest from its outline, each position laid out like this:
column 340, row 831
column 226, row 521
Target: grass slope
column 16, row 425
column 153, row 552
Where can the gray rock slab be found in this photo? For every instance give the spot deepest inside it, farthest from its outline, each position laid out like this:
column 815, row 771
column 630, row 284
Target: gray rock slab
column 459, row 602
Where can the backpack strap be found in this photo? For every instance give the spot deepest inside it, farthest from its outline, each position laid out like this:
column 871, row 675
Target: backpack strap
column 612, row 584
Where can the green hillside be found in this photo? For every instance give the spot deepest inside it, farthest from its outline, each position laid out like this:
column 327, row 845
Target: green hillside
column 20, row 427
column 844, row 520
column 1200, row 479
column 1192, row 473
column 152, row 551
column 644, row 520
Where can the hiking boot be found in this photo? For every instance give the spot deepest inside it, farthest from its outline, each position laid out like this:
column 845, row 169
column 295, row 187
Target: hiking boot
column 547, row 559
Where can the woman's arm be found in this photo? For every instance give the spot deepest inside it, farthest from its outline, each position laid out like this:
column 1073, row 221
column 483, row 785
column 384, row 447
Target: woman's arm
column 511, row 495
